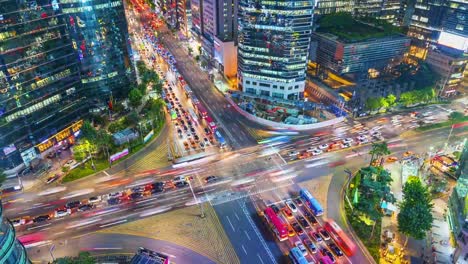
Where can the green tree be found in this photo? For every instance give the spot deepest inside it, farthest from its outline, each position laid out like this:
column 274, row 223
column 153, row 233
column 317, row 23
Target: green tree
column 415, row 217
column 135, row 97
column 408, row 98
column 132, row 119
column 372, row 103
column 88, row 131
column 383, row 103
column 142, row 87
column 203, row 63
column 157, row 87
column 104, row 142
column 82, row 258
column 378, row 150
column 391, row 100
column 454, row 116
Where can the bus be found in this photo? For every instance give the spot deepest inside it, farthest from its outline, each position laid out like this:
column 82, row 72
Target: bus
column 325, row 260
column 195, row 101
column 279, row 227
column 219, row 137
column 210, row 124
column 313, row 204
column 193, row 116
column 296, row 256
column 188, row 91
column 345, row 243
column 201, row 111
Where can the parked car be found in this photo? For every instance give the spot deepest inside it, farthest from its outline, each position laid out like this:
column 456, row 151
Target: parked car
column 41, row 218
column 301, row 247
column 52, row 179
column 94, row 199
column 335, row 249
column 275, row 208
column 324, row 234
column 303, row 222
column 291, row 206
column 297, row 228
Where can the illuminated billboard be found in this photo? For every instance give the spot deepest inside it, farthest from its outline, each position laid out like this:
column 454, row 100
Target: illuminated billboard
column 454, row 41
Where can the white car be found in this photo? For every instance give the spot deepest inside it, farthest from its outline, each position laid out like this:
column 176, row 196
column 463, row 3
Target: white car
column 94, row 199
column 375, row 133
column 62, row 212
column 323, row 146
column 301, row 247
column 348, row 140
column 114, row 195
column 345, row 145
column 312, row 149
column 316, row 152
column 18, row 222
column 363, row 141
column 293, row 153
column 291, row 206
column 361, row 137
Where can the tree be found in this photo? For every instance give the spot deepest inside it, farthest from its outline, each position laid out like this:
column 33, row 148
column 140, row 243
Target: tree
column 415, row 217
column 158, row 87
column 82, row 258
column 88, row 131
column 132, row 119
column 383, row 103
column 391, row 100
column 456, row 116
column 378, row 150
column 135, row 97
column 408, row 98
column 372, row 103
column 142, row 87
column 190, row 50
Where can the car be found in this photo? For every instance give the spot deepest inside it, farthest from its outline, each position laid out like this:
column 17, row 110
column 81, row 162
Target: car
column 287, row 212
column 303, row 222
column 41, row 218
column 391, row 159
column 326, row 252
column 179, row 131
column 85, row 207
column 301, row 247
column 182, row 122
column 181, row 184
column 363, row 141
column 317, row 152
column 310, row 245
column 310, row 217
column 194, row 145
column 69, row 162
column 361, row 137
column 189, row 123
column 211, row 179
column 18, row 222
column 375, row 134
column 323, row 146
column 407, row 154
column 275, row 208
column 297, row 228
column 136, row 195
column 186, row 145
column 114, row 195
column 298, row 201
column 192, row 130
column 197, row 139
column 291, row 206
column 316, row 236
column 206, row 141
column 348, row 140
column 207, row 131
column 293, row 153
column 291, row 232
column 72, row 204
column 324, row 234
column 335, row 249
column 345, row 145
column 94, row 199
column 113, row 201
column 52, row 179
column 185, row 128
column 61, row 212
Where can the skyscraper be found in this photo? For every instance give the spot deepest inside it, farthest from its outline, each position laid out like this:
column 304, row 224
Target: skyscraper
column 99, row 33
column 274, row 42
column 39, row 79
column 11, row 251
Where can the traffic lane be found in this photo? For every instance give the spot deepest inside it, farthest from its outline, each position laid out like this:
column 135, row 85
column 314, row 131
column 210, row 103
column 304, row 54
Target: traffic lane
column 102, row 244
column 250, row 244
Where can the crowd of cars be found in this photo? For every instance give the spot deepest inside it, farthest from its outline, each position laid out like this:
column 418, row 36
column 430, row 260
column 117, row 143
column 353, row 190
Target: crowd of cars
column 115, row 198
column 305, row 230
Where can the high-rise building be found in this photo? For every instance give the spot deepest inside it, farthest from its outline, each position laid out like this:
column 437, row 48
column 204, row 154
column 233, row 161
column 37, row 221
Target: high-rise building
column 226, row 20
column 99, row 34
column 11, row 251
column 197, row 22
column 274, row 42
column 40, row 89
column 370, row 8
column 333, row 6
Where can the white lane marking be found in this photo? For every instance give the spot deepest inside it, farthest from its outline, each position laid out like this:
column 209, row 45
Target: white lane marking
column 36, row 227
column 114, row 223
column 243, row 248
column 237, row 216
column 261, row 260
column 105, row 172
column 230, row 223
column 247, row 234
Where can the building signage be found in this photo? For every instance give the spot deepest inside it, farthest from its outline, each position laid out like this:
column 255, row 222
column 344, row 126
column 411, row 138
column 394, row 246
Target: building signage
column 118, row 155
column 63, row 134
column 147, row 137
column 9, row 149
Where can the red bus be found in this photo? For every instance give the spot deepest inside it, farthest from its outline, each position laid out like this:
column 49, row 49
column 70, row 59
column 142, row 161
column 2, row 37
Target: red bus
column 210, row 123
column 325, row 260
column 279, row 228
column 201, row 111
column 346, row 244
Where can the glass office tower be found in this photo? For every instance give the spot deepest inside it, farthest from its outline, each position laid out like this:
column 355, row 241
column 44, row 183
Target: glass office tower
column 274, row 41
column 99, row 33
column 11, row 251
column 39, row 78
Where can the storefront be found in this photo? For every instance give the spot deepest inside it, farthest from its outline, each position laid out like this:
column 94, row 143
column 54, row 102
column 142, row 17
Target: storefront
column 64, row 138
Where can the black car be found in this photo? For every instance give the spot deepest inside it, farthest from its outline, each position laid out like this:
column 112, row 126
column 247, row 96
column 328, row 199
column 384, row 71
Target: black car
column 136, row 195
column 113, row 201
column 297, row 228
column 207, row 131
column 189, row 122
column 303, row 222
column 275, row 208
column 157, row 187
column 336, row 249
column 311, row 218
column 210, row 179
column 41, row 218
column 72, row 204
column 85, row 207
column 298, row 201
column 192, row 129
column 185, row 128
column 181, row 184
column 197, row 139
column 324, row 234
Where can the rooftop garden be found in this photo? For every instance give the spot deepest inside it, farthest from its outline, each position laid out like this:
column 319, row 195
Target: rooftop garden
column 344, row 26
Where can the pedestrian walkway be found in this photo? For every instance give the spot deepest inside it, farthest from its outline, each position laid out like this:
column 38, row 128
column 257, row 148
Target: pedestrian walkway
column 439, row 236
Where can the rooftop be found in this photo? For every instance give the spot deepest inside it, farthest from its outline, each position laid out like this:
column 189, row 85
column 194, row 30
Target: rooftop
column 348, row 29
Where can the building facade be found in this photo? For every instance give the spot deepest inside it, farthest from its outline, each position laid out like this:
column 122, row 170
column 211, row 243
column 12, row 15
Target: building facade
column 11, row 251
column 40, row 89
column 99, row 33
column 326, row 7
column 355, row 59
column 273, row 48
column 450, row 65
